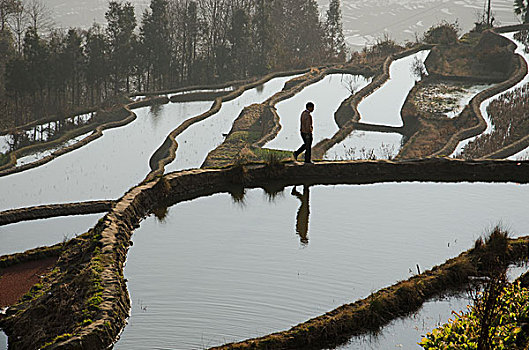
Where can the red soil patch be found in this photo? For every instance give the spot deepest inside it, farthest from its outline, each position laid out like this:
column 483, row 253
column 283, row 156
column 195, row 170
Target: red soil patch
column 15, row 281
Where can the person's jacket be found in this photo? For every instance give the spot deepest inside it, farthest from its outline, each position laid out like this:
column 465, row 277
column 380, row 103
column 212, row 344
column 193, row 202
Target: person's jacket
column 306, row 122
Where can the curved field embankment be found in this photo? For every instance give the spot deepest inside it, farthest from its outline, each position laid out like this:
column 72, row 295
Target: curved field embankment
column 116, row 117
column 48, row 119
column 83, row 303
column 259, row 123
column 337, row 326
column 348, row 117
column 166, row 153
column 54, row 210
column 473, row 108
column 119, row 116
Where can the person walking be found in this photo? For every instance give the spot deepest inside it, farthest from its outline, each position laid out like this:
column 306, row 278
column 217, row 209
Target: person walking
column 306, row 133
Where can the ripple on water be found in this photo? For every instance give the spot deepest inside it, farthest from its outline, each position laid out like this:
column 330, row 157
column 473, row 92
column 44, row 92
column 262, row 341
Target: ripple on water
column 215, row 271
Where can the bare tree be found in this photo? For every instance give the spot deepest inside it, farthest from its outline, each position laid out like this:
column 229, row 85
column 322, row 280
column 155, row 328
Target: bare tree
column 7, row 7
column 39, row 15
column 18, row 24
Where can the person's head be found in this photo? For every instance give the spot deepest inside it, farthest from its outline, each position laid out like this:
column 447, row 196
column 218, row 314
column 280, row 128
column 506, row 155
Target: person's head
column 310, row 106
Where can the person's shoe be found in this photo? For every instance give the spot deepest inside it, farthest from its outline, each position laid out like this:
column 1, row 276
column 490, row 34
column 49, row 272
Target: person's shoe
column 309, row 162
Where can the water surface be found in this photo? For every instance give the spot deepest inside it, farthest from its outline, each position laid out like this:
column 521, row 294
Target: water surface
column 327, row 95
column 21, row 236
column 197, row 141
column 44, row 153
column 366, row 145
column 103, row 169
column 383, row 106
column 216, row 271
column 406, row 332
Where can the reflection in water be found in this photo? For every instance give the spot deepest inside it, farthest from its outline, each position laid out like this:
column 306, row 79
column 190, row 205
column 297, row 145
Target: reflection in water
column 155, row 112
column 240, row 273
column 302, row 217
column 160, row 213
column 405, row 332
column 273, row 191
column 237, row 195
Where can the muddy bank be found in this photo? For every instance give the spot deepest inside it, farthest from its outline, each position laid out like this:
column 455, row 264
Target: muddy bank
column 54, row 210
column 17, row 280
column 432, row 131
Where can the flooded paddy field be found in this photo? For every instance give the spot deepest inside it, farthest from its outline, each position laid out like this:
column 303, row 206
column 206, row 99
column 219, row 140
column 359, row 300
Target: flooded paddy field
column 196, row 283
column 446, row 98
column 108, row 166
column 105, row 168
column 383, row 106
column 327, row 96
column 366, row 145
column 197, row 141
column 406, row 332
column 35, row 156
column 521, row 50
column 21, row 236
column 3, row 341
column 363, row 21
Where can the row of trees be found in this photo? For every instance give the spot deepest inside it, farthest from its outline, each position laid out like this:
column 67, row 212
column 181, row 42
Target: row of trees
column 176, row 42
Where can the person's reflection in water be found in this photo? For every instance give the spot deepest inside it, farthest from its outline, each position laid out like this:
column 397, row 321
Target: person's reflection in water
column 302, row 218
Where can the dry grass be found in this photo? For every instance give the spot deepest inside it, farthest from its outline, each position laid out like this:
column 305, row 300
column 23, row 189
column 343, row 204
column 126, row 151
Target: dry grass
column 508, row 115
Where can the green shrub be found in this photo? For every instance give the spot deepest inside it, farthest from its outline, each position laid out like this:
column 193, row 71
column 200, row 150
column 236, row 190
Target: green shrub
column 463, row 331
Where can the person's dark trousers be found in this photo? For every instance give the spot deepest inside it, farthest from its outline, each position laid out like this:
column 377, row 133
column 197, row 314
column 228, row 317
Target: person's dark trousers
column 307, row 145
